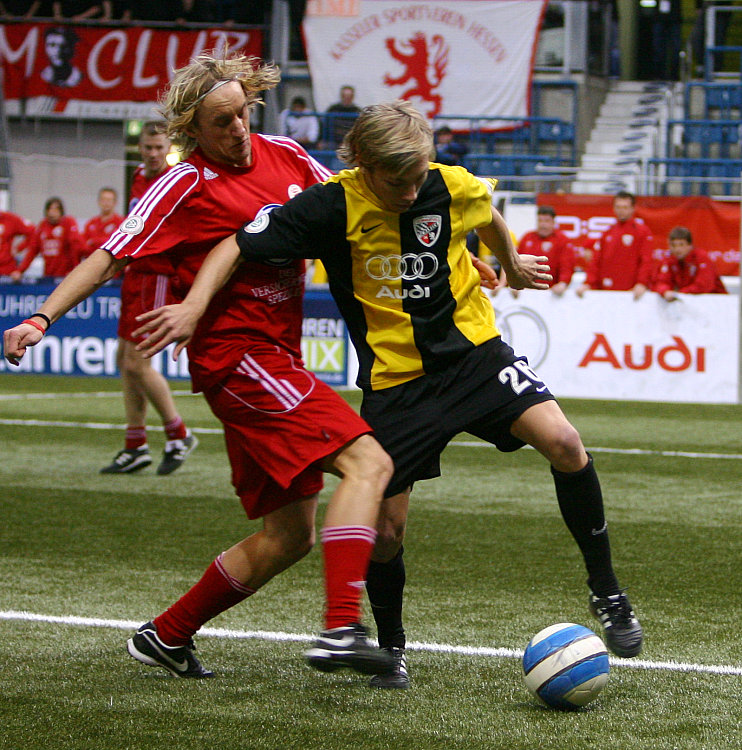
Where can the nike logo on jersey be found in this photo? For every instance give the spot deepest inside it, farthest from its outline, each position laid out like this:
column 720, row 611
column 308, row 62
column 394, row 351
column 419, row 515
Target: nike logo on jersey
column 368, row 229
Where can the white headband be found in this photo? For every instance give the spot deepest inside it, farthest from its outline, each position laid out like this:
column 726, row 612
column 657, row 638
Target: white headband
column 217, row 85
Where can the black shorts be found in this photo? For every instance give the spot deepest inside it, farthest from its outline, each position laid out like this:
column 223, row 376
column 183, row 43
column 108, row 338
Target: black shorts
column 482, row 394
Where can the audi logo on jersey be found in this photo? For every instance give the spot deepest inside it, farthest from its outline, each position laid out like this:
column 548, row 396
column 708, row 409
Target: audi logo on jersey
column 406, row 267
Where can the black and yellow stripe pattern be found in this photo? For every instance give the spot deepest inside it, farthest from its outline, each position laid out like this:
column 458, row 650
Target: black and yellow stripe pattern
column 404, row 283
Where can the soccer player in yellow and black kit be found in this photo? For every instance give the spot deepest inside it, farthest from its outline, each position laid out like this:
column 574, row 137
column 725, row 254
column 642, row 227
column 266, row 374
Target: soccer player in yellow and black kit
column 391, row 234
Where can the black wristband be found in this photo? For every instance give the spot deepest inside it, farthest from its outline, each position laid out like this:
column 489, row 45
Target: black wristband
column 43, row 317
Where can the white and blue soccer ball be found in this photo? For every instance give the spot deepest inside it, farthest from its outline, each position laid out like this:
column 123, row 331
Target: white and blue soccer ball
column 565, row 666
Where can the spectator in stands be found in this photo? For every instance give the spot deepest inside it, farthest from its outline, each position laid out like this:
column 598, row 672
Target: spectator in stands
column 344, row 114
column 686, row 269
column 667, row 21
column 230, row 12
column 146, row 10
column 549, row 241
column 82, row 10
column 196, row 11
column 146, row 285
column 447, row 149
column 13, row 227
column 297, row 123
column 59, row 45
column 57, row 239
column 622, row 258
column 19, row 8
column 98, row 229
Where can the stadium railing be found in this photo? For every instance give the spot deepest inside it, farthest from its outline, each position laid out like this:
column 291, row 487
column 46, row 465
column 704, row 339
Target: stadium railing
column 720, row 100
column 695, row 176
column 711, row 138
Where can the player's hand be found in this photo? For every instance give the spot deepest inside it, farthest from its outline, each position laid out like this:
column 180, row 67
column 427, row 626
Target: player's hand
column 17, row 340
column 488, row 276
column 163, row 326
column 529, row 272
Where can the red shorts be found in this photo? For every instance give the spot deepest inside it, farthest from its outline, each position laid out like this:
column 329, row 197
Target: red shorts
column 140, row 293
column 279, row 422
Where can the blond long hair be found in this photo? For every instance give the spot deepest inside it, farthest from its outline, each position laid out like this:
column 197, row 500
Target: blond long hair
column 392, row 136
column 193, row 82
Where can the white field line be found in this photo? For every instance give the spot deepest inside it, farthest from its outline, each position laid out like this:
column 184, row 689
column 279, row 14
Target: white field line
column 266, row 635
column 457, row 443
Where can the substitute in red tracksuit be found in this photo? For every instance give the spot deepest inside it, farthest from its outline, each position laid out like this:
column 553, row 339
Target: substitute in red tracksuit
column 57, row 239
column 622, row 258
column 549, row 241
column 686, row 269
column 12, row 226
column 98, row 229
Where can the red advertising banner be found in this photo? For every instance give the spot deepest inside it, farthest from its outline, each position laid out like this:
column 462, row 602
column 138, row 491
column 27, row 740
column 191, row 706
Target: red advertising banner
column 98, row 70
column 715, row 225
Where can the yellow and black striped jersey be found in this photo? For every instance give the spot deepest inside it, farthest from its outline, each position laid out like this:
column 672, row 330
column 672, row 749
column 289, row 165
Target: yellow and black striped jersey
column 404, row 283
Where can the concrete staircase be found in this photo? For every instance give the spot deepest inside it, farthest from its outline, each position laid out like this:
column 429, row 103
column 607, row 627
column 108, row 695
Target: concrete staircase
column 630, row 128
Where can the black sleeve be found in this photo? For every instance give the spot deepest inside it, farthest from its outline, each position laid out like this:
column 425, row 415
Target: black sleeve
column 310, row 225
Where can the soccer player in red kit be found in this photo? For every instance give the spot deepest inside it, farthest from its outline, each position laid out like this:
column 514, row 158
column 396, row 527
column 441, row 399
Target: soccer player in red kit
column 98, row 229
column 282, row 425
column 548, row 241
column 147, row 284
column 12, row 226
column 622, row 258
column 58, row 240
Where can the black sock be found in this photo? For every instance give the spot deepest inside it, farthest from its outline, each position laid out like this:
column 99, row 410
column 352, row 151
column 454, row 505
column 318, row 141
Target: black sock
column 581, row 504
column 385, row 587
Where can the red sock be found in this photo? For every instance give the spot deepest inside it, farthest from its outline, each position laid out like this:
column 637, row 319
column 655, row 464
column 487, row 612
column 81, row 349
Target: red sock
column 175, row 429
column 347, row 551
column 216, row 592
column 136, row 437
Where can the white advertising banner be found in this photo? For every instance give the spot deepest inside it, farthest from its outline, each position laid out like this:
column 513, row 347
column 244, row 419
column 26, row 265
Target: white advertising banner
column 608, row 345
column 472, row 57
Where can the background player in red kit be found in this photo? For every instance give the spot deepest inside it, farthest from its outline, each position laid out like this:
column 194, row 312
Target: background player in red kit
column 146, row 285
column 12, row 226
column 57, row 239
column 98, row 229
column 282, row 425
column 622, row 257
column 547, row 240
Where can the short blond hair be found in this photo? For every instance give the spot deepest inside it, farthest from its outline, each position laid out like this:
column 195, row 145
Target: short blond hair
column 392, row 136
column 193, row 82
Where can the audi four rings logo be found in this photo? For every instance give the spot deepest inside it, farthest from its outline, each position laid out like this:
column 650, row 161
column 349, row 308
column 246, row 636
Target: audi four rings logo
column 408, row 267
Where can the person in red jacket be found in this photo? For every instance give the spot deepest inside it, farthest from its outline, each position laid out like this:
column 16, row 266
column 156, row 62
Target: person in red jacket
column 686, row 269
column 58, row 240
column 12, row 226
column 147, row 284
column 622, row 259
column 98, row 229
column 549, row 241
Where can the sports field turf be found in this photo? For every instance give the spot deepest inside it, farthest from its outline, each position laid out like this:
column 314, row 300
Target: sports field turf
column 86, row 558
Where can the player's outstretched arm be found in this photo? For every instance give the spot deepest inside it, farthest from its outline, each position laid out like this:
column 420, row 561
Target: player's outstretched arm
column 177, row 323
column 79, row 284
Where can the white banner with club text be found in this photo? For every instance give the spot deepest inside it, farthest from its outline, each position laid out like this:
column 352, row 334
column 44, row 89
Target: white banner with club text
column 472, row 57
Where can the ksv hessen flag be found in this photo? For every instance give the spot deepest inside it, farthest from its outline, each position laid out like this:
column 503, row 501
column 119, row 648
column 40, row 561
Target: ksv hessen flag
column 472, row 57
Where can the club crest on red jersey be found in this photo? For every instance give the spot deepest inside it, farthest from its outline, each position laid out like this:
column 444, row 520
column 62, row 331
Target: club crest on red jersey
column 427, row 229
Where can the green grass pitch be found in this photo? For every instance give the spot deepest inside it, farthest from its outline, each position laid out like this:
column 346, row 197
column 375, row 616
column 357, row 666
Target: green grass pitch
column 85, row 558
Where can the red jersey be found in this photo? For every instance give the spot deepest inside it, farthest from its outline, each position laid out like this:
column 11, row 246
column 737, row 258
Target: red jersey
column 192, row 208
column 557, row 248
column 140, row 184
column 622, row 257
column 97, row 230
column 59, row 245
column 12, row 226
column 695, row 274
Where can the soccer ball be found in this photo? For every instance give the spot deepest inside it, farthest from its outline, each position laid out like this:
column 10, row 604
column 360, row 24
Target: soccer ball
column 565, row 666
